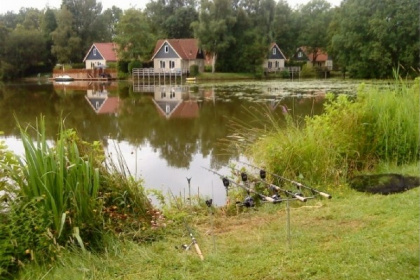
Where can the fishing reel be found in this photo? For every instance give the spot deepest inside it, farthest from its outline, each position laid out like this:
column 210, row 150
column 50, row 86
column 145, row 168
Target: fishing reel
column 248, row 202
column 185, row 247
column 209, row 202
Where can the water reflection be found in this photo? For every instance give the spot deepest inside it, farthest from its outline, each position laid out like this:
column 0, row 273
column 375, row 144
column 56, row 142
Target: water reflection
column 165, row 132
column 101, row 101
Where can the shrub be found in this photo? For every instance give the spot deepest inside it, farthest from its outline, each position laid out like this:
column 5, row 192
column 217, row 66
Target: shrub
column 194, row 70
column 134, row 64
column 122, row 66
column 307, row 71
column 207, row 68
column 78, row 66
column 285, row 74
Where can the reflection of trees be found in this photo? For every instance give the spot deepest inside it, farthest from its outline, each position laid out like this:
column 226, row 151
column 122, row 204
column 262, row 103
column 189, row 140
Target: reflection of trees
column 139, row 122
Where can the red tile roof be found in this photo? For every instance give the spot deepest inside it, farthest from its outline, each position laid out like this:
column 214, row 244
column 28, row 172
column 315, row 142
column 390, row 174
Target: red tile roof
column 321, row 55
column 185, row 48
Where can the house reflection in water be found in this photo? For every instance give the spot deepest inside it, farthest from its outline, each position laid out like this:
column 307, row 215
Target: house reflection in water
column 100, row 101
column 171, row 104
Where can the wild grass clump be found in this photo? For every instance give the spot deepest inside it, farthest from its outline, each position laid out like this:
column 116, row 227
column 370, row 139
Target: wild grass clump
column 379, row 125
column 63, row 194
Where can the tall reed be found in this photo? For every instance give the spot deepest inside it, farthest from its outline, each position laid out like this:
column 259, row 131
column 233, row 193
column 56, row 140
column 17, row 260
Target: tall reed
column 380, row 124
column 66, row 183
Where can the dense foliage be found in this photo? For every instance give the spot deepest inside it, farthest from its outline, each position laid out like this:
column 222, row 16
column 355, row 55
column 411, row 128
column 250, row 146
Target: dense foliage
column 353, row 134
column 365, row 38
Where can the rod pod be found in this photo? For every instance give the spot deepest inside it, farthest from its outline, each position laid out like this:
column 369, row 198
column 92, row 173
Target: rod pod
column 275, row 187
column 264, row 172
column 226, row 183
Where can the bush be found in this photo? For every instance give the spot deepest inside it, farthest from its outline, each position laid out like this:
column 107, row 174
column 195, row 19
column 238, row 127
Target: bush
column 207, row 68
column 134, row 64
column 285, row 74
column 122, row 66
column 78, row 65
column 194, row 70
column 112, row 65
column 259, row 72
column 307, row 71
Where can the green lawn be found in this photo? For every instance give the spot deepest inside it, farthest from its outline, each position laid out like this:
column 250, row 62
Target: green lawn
column 352, row 236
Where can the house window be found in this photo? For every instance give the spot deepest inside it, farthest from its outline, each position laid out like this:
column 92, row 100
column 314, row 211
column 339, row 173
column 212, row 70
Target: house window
column 300, row 54
column 94, row 52
column 270, row 64
column 166, row 49
column 274, row 51
column 171, row 64
column 277, row 64
column 162, row 64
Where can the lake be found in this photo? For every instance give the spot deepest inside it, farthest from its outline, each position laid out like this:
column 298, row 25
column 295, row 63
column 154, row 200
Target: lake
column 166, row 133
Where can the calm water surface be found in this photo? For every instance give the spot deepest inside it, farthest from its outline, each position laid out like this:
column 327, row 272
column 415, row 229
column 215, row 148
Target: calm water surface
column 166, row 133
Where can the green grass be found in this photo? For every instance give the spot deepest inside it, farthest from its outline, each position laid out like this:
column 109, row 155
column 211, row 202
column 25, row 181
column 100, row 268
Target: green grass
column 352, row 236
column 224, row 76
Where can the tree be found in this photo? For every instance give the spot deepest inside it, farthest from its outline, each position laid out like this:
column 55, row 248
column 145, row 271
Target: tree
column 316, row 17
column 17, row 50
column 66, row 44
column 86, row 23
column 370, row 38
column 48, row 25
column 134, row 38
column 214, row 27
column 171, row 18
column 178, row 25
column 285, row 28
column 110, row 18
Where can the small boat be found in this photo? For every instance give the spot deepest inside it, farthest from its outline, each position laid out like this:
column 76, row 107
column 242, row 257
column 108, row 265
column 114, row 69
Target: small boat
column 192, row 79
column 64, row 78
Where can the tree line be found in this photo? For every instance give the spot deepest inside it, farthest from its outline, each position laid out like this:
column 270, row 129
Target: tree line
column 366, row 38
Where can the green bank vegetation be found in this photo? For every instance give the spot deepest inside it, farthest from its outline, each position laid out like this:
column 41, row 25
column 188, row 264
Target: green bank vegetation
column 352, row 236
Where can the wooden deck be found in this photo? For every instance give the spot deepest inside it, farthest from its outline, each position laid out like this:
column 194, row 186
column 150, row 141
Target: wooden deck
column 87, row 74
column 151, row 73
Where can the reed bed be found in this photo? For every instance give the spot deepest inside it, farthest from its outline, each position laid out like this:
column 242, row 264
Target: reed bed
column 64, row 194
column 352, row 135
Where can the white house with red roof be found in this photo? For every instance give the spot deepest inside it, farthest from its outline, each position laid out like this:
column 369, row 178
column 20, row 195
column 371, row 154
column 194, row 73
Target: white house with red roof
column 100, row 54
column 315, row 57
column 177, row 54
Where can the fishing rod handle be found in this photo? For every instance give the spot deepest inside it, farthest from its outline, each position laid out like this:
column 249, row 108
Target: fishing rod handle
column 269, row 199
column 197, row 249
column 325, row 195
column 301, row 198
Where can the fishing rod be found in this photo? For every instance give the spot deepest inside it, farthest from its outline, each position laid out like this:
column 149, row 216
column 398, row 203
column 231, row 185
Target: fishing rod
column 244, row 177
column 248, row 202
column 193, row 240
column 299, row 185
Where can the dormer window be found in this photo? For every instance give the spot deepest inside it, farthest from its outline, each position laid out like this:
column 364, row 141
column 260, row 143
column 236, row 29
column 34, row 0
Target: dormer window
column 274, row 51
column 94, row 52
column 166, row 49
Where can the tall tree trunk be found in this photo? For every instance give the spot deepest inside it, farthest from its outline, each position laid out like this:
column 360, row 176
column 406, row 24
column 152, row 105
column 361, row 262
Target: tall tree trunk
column 213, row 63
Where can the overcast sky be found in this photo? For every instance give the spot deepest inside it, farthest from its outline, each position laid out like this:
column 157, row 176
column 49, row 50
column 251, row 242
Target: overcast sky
column 15, row 5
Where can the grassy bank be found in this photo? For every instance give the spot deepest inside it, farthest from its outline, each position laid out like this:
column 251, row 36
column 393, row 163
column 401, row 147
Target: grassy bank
column 206, row 76
column 352, row 236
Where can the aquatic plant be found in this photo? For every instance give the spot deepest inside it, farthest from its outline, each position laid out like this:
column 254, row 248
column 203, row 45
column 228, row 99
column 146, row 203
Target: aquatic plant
column 353, row 134
column 63, row 194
